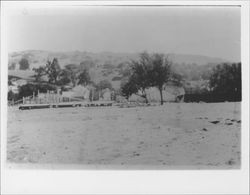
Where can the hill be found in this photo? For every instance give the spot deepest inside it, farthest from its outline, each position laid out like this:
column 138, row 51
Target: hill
column 108, row 65
column 37, row 58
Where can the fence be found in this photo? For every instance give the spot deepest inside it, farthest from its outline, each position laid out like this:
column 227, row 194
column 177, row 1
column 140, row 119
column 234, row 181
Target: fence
column 44, row 98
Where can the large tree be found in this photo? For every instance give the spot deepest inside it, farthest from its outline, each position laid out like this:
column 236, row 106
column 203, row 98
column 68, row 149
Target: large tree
column 160, row 73
column 149, row 71
column 53, row 70
column 139, row 80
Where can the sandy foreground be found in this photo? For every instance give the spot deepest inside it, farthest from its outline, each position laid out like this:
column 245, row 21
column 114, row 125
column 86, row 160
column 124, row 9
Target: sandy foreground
column 173, row 136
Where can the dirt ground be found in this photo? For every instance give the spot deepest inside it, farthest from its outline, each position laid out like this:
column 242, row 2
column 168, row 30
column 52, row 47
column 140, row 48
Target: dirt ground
column 172, row 136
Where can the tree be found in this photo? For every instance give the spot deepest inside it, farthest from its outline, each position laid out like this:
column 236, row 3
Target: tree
column 128, row 88
column 39, row 72
column 53, row 70
column 225, row 81
column 24, row 64
column 150, row 71
column 64, row 77
column 84, row 78
column 160, row 73
column 140, row 76
column 103, row 85
column 72, row 70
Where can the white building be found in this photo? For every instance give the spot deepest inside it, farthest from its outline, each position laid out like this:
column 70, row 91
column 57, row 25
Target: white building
column 78, row 91
column 169, row 93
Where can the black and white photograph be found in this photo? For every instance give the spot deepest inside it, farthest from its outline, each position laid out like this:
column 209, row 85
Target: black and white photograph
column 124, row 87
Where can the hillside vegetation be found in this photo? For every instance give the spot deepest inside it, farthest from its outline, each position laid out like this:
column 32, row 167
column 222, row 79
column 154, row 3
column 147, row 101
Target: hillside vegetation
column 108, row 65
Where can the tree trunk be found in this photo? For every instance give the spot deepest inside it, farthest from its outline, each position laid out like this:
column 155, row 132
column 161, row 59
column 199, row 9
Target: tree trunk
column 160, row 89
column 146, row 99
column 145, row 96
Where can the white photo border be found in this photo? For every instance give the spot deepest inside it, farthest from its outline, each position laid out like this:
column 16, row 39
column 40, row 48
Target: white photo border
column 128, row 181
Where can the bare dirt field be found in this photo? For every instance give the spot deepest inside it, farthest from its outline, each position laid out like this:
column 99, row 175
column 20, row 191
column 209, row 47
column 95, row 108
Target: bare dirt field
column 172, row 136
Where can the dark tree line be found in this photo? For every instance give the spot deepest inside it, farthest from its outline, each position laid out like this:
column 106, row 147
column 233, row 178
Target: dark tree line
column 225, row 81
column 225, row 84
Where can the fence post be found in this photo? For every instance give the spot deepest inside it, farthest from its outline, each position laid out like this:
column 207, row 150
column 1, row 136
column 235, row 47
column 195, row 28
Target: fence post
column 47, row 97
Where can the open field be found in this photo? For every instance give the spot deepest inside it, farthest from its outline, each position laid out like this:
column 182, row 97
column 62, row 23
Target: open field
column 173, row 136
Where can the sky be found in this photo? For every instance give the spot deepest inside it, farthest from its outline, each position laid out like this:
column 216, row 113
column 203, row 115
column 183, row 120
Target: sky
column 209, row 31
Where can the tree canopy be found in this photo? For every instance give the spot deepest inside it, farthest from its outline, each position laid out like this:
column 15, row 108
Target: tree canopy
column 39, row 72
column 53, row 69
column 24, row 64
column 226, row 80
column 160, row 73
column 149, row 71
column 84, row 78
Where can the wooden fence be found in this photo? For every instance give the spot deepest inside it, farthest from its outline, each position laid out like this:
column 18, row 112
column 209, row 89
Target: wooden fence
column 44, row 98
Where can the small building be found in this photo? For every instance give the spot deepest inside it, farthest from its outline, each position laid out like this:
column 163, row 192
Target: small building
column 78, row 91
